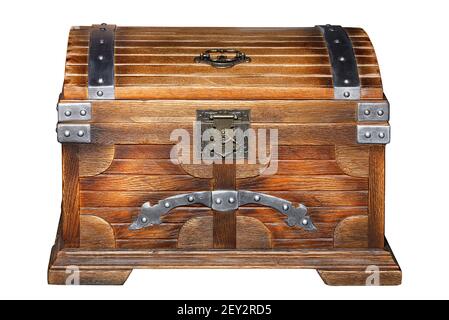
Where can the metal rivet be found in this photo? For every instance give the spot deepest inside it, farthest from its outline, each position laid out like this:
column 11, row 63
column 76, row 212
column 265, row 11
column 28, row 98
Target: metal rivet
column 68, row 113
column 218, row 201
column 367, row 135
column 342, row 59
column 100, row 93
column 144, row 219
column 367, row 112
column 285, row 207
column 256, row 198
column 305, row 222
column 167, row 204
column 100, row 57
column 100, row 80
column 190, row 198
column 67, row 133
column 347, row 94
column 380, row 113
column 103, row 29
column 337, row 41
column 231, row 200
column 80, row 133
column 101, row 41
column 346, row 80
column 331, row 29
column 83, row 112
column 381, row 135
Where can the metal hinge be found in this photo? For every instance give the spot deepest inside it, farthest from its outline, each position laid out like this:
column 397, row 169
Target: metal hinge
column 67, row 130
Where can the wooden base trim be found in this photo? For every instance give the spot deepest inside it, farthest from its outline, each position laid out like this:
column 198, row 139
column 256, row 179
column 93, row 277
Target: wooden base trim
column 336, row 267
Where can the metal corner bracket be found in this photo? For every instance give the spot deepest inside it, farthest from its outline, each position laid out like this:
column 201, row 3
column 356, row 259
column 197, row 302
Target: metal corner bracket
column 373, row 111
column 77, row 111
column 73, row 133
column 373, row 134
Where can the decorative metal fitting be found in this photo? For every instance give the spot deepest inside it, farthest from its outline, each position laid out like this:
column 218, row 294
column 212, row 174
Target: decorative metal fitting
column 220, row 200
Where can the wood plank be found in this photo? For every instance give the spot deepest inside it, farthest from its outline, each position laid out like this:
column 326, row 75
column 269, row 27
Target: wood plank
column 146, row 243
column 289, row 134
column 376, row 216
column 70, row 196
column 160, row 231
column 125, row 198
column 114, row 182
column 224, row 223
column 325, row 243
column 303, row 183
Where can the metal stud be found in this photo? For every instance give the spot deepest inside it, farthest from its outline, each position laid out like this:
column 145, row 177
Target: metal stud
column 167, row 204
column 80, row 133
column 285, row 207
column 367, row 134
column 367, row 112
column 68, row 113
column 231, row 200
column 190, row 198
column 342, row 59
column 346, row 94
column 218, row 201
column 381, row 135
column 337, row 41
column 256, row 198
column 144, row 219
column 346, row 80
column 83, row 112
column 100, row 57
column 101, row 41
column 100, row 80
column 67, row 133
column 305, row 222
column 100, row 93
column 380, row 113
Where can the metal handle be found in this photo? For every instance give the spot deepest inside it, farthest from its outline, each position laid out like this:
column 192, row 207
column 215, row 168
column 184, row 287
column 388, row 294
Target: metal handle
column 218, row 58
column 224, row 201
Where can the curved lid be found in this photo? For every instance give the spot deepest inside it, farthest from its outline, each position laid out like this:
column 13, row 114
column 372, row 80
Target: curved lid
column 159, row 63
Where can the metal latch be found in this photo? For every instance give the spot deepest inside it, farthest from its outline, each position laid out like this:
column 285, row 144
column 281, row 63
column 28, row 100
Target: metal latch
column 225, row 122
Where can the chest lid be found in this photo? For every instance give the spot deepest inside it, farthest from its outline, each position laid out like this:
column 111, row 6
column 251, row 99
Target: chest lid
column 323, row 62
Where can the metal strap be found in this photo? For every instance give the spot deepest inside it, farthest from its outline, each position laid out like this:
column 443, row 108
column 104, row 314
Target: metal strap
column 101, row 62
column 345, row 73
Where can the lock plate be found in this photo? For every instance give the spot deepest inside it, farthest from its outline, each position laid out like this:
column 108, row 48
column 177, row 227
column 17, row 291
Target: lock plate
column 225, row 123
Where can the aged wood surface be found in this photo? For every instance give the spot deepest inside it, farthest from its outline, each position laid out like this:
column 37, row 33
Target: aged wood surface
column 376, row 217
column 96, row 233
column 224, row 223
column 94, row 159
column 154, row 63
column 70, row 196
column 352, row 232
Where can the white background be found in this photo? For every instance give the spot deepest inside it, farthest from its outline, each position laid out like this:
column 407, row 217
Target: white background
column 411, row 41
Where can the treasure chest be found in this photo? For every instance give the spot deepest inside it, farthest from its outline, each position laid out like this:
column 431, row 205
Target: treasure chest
column 222, row 148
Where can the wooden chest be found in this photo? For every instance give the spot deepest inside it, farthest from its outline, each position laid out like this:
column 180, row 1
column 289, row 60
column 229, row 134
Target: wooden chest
column 222, row 148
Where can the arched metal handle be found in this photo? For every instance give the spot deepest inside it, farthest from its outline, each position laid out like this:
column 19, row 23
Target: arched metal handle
column 224, row 201
column 218, row 58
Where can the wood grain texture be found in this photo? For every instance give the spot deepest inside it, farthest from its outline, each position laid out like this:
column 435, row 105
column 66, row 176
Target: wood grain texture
column 90, row 277
column 154, row 63
column 94, row 159
column 70, row 196
column 96, row 233
column 359, row 278
column 353, row 160
column 352, row 232
column 224, row 223
column 376, row 217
